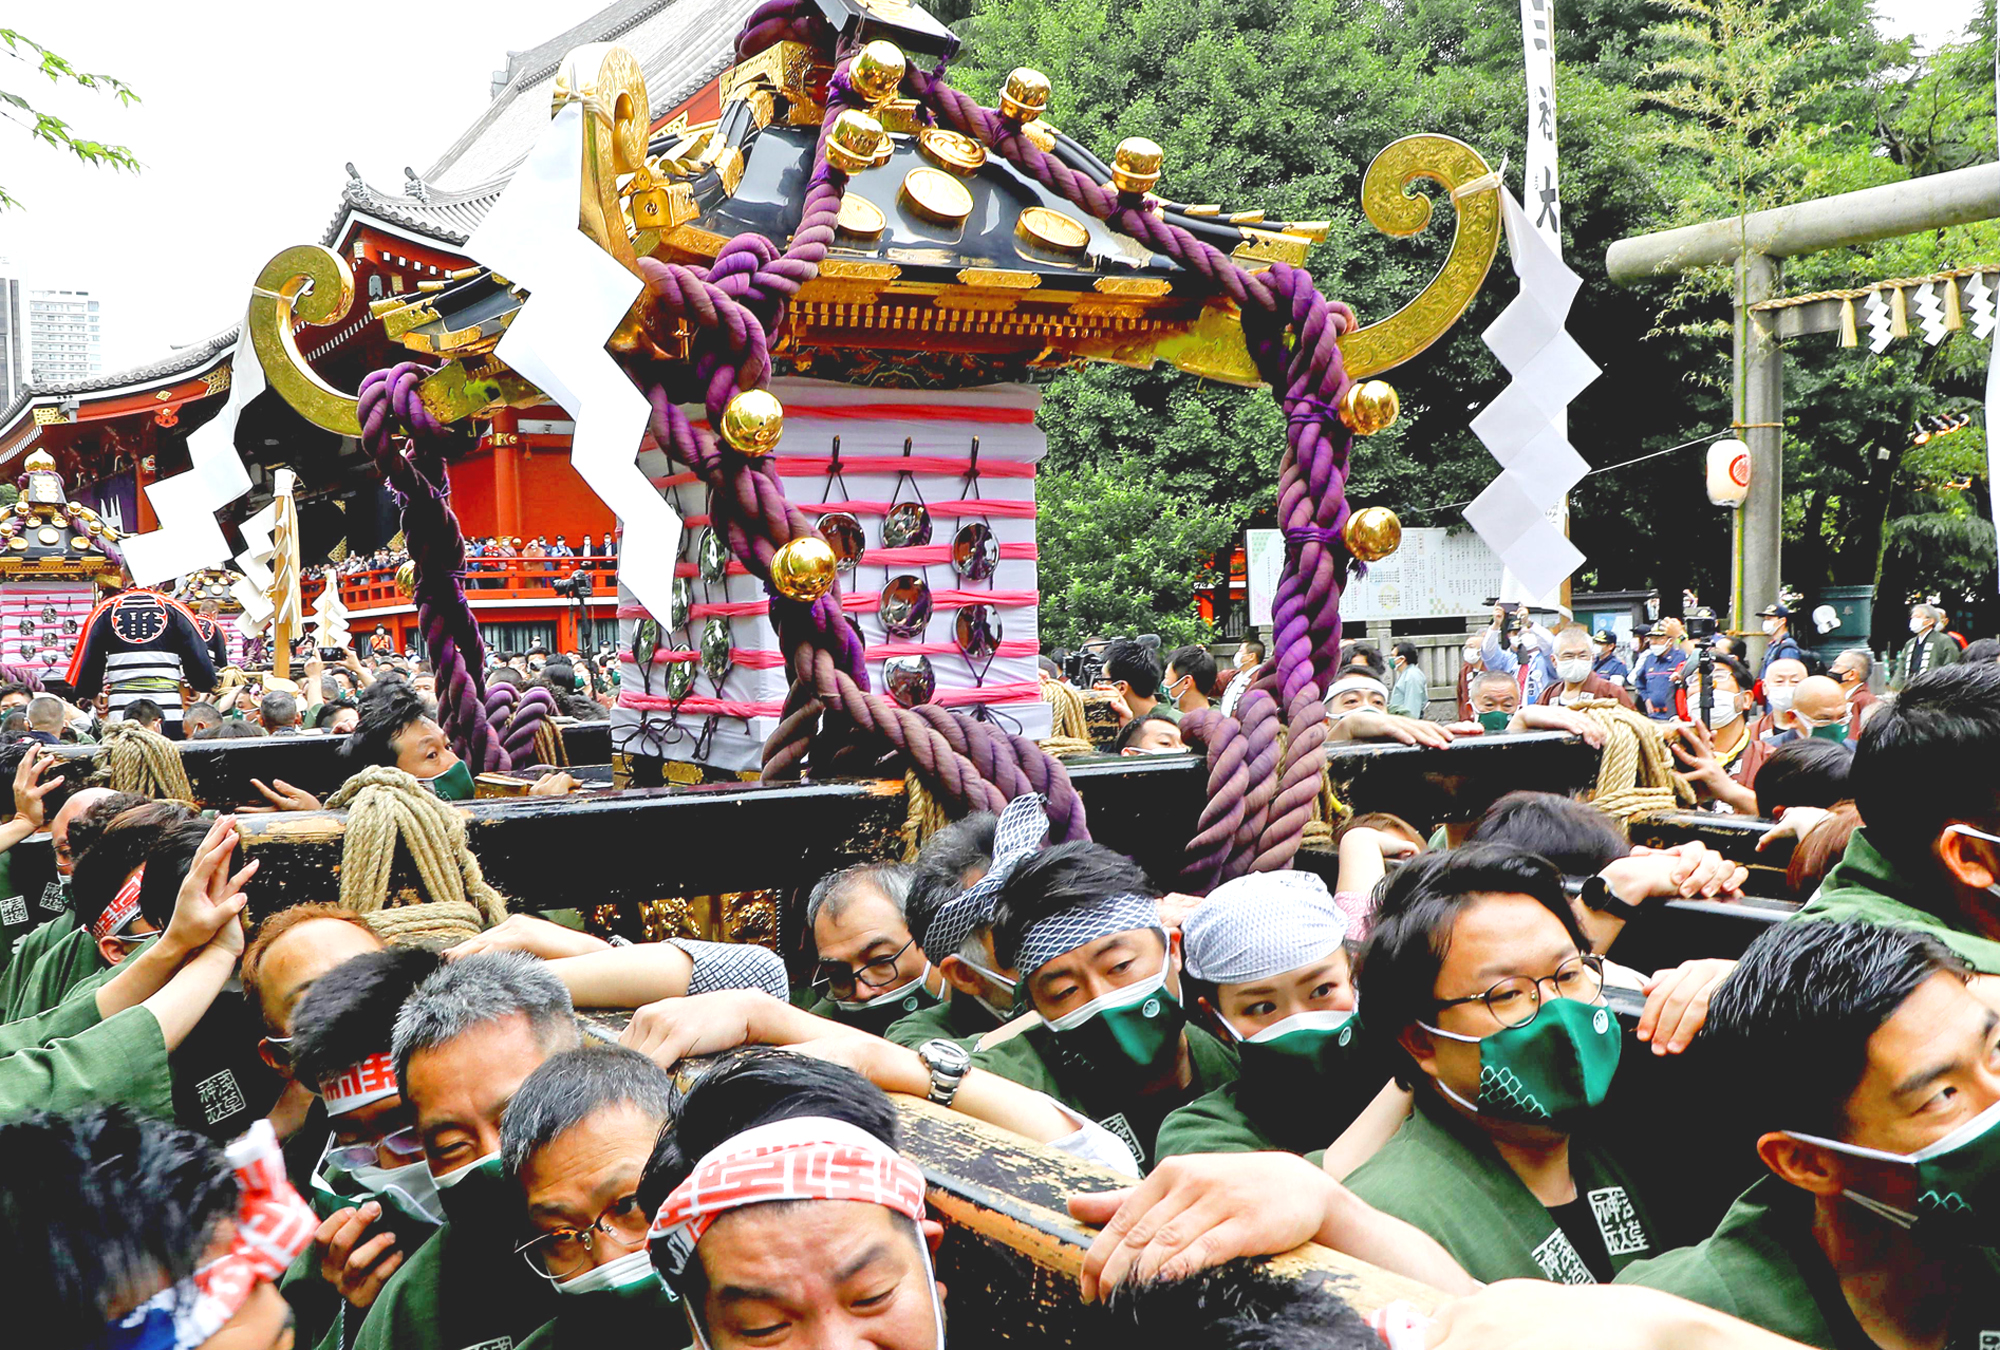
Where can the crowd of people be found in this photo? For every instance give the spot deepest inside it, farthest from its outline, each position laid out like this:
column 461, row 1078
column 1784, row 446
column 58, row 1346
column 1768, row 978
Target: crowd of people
column 502, row 554
column 1440, row 1063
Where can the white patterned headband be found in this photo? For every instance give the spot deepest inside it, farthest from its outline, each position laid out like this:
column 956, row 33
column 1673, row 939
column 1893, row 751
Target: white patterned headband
column 1261, row 925
column 1062, row 933
column 1018, row 836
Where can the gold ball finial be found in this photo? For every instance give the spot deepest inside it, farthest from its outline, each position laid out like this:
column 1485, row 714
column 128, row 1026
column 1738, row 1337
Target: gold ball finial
column 1136, row 166
column 39, row 459
column 877, row 72
column 1373, row 533
column 1369, row 406
column 804, row 569
column 1025, row 96
column 851, row 145
column 406, row 579
column 753, row 422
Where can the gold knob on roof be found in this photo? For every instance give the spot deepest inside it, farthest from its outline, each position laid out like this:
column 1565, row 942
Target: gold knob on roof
column 877, row 71
column 1136, row 166
column 1373, row 533
column 753, row 421
column 804, row 569
column 853, row 142
column 1025, row 96
column 38, row 459
column 1369, row 406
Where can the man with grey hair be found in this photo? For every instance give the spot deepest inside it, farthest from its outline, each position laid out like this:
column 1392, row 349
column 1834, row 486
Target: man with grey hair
column 1851, row 671
column 45, row 718
column 870, row 971
column 1929, row 646
column 575, row 1141
column 279, row 712
column 464, row 1043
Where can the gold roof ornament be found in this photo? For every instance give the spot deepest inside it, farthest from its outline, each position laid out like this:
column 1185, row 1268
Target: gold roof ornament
column 1136, row 165
column 851, row 145
column 1025, row 96
column 38, row 460
column 877, row 71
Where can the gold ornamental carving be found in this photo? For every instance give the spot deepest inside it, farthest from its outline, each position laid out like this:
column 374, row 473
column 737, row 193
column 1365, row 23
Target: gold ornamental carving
column 314, row 284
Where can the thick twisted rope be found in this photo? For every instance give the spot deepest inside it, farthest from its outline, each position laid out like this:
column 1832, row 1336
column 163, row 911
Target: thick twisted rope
column 1635, row 773
column 145, row 762
column 416, row 476
column 385, row 806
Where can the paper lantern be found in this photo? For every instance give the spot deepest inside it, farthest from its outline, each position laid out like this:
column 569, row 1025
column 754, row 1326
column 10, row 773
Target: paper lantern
column 1728, row 472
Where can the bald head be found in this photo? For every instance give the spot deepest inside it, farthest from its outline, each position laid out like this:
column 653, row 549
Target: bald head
column 1820, row 701
column 1783, row 671
column 71, row 809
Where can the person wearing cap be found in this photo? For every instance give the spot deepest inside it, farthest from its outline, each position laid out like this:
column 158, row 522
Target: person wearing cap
column 1110, row 1038
column 1778, row 640
column 1265, row 962
column 1653, row 679
column 374, row 1195
column 1576, row 679
column 1608, row 665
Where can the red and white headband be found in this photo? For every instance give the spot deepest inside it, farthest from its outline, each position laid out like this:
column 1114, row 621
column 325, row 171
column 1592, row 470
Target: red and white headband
column 124, row 907
column 359, row 1084
column 804, row 1158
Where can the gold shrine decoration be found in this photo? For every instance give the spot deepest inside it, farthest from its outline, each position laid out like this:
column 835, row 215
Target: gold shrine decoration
column 284, row 574
column 281, row 297
column 606, row 81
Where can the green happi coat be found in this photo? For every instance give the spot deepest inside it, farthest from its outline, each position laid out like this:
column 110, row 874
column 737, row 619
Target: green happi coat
column 1216, row 1122
column 602, row 1322
column 1441, row 1173
column 959, row 1018
column 1763, row 1266
column 1867, row 887
column 1033, row 1059
column 63, row 970
column 24, row 952
column 120, row 1059
column 459, row 1291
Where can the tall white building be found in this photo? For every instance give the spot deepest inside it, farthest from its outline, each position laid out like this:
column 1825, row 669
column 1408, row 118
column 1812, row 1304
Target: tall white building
column 13, row 336
column 64, row 342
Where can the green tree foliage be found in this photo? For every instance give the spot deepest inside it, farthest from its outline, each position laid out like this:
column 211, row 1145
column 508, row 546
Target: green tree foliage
column 45, row 126
column 1264, row 103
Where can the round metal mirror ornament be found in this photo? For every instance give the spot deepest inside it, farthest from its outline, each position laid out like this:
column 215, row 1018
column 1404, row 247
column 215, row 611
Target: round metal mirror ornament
column 714, row 556
column 975, row 553
column 906, row 606
column 910, row 679
column 715, row 648
column 907, row 526
column 680, row 679
column 978, row 635
column 844, row 536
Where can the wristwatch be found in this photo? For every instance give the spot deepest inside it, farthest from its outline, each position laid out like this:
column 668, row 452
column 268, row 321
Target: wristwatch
column 1596, row 893
column 948, row 1062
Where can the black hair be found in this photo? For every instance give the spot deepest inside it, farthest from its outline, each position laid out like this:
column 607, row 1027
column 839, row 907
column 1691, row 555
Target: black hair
column 1577, row 837
column 388, row 708
column 753, row 1087
column 1057, row 879
column 127, row 842
column 571, row 1086
column 1130, row 731
column 1791, row 1023
column 1258, row 643
column 1408, row 651
column 1194, row 660
column 1737, row 670
column 1930, row 757
column 166, row 865
column 1366, row 655
column 1416, row 908
column 16, row 687
column 144, row 710
column 91, row 822
column 1805, row 772
column 941, row 866
column 1244, row 1304
column 506, row 675
column 1980, row 650
column 349, row 1013
column 98, row 1207
column 1138, row 666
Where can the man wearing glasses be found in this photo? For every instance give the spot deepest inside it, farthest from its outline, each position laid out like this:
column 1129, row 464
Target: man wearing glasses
column 871, row 972
column 575, row 1141
column 1478, row 971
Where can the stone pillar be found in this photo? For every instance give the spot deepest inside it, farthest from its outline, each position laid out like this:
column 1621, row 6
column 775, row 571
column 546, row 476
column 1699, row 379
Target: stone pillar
column 1760, row 407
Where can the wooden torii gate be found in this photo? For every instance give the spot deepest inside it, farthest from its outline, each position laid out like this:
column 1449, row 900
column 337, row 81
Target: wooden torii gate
column 1757, row 244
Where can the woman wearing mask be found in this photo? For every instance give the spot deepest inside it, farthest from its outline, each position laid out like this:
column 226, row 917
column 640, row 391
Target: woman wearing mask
column 1719, row 756
column 1479, row 974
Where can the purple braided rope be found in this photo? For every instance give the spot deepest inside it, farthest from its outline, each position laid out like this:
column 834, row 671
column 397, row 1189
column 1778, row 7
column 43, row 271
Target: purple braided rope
column 437, row 548
column 536, row 706
column 1228, row 788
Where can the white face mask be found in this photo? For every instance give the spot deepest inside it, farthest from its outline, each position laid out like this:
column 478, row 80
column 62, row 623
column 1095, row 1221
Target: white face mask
column 1918, row 625
column 1723, row 713
column 1573, row 671
column 1003, row 1010
column 1780, row 697
column 888, row 996
column 1770, row 627
column 628, row 1270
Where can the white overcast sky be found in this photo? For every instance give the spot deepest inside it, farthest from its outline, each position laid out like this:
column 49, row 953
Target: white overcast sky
column 249, row 113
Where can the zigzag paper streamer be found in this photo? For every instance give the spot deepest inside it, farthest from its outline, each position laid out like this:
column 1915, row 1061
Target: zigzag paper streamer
column 1979, row 299
column 1877, row 310
column 578, row 293
column 330, row 614
column 1930, row 310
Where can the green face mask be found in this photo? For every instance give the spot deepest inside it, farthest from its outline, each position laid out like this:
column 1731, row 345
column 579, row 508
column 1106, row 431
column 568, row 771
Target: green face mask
column 877, row 1014
column 621, row 1302
column 1551, row 1072
column 1495, row 721
column 1301, row 1049
column 1131, row 1035
column 453, row 785
column 477, row 1198
column 1958, row 1183
column 1832, row 731
column 408, row 1195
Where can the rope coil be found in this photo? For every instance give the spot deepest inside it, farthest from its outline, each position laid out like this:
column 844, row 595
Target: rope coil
column 145, row 762
column 386, row 806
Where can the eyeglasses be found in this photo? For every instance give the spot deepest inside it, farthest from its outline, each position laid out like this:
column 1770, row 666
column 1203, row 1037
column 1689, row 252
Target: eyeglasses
column 404, row 1146
column 279, row 1048
column 876, row 974
column 560, row 1254
column 1517, row 1000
